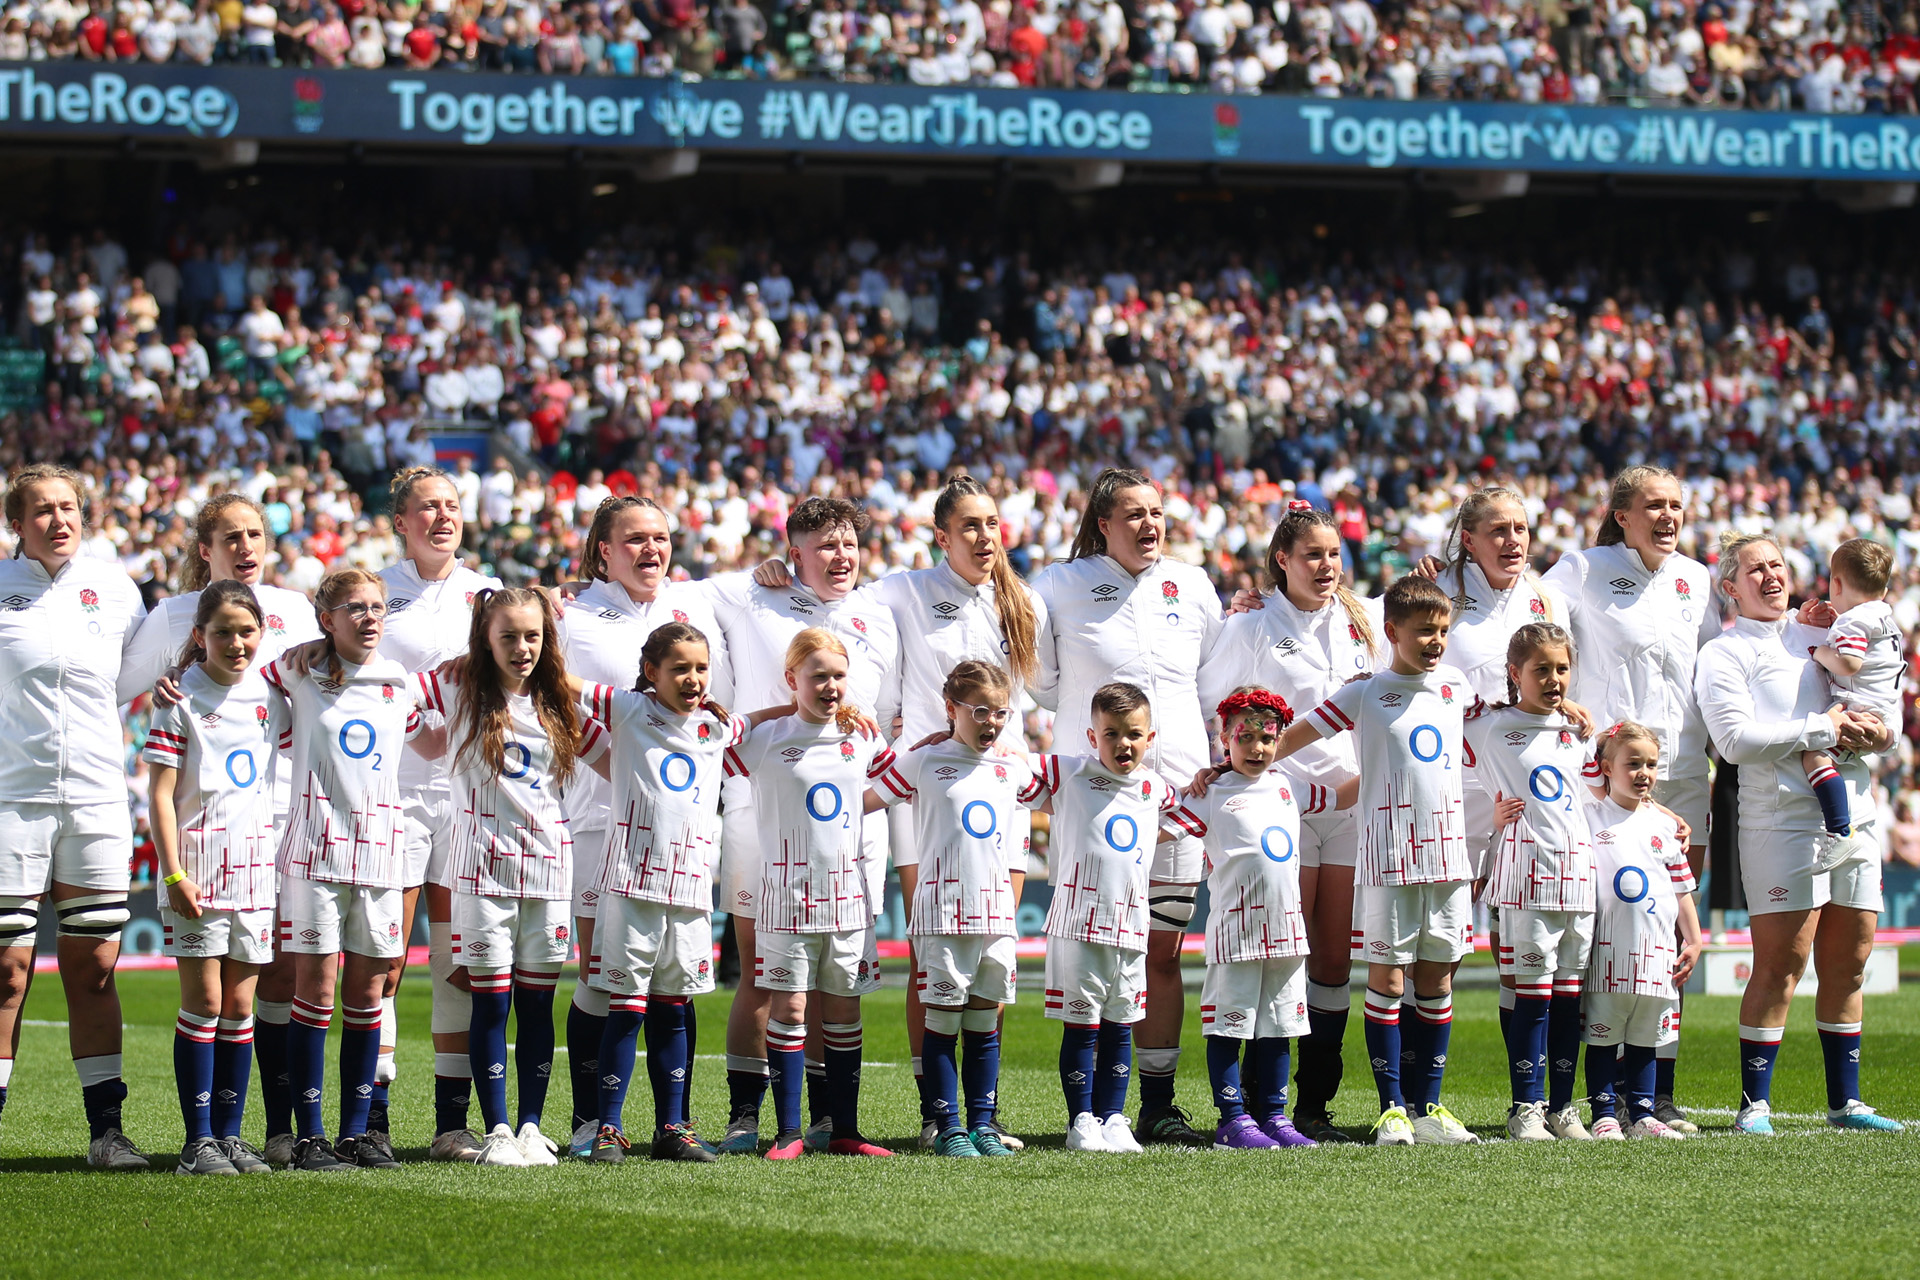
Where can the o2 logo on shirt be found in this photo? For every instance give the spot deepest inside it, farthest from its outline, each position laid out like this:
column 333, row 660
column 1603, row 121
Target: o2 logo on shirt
column 817, row 807
column 676, row 771
column 1426, row 733
column 1546, row 776
column 976, row 812
column 516, row 762
column 1277, row 844
column 235, row 759
column 1121, row 822
column 348, row 740
column 1641, row 889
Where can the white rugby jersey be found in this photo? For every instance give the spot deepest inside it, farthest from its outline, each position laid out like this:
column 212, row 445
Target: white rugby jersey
column 665, row 828
column 963, row 811
column 1408, row 732
column 1868, row 632
column 221, row 738
column 1485, row 618
column 1642, row 870
column 346, row 739
column 62, row 641
column 809, row 792
column 943, row 620
column 1301, row 656
column 428, row 623
column 1100, row 847
column 156, row 647
column 510, row 838
column 1638, row 633
column 1544, row 860
column 600, row 636
column 1765, row 702
column 761, row 621
column 1251, row 829
column 1155, row 631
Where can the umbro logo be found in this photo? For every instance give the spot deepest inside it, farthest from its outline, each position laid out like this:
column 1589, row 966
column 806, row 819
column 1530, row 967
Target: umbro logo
column 15, row 604
column 611, row 615
column 1286, row 646
column 211, row 718
column 1757, row 1063
column 946, row 609
column 1516, row 738
column 1622, row 585
column 1390, row 699
column 801, row 605
column 1598, row 1028
column 793, row 753
column 396, row 605
column 946, row 771
column 1105, row 591
column 656, row 722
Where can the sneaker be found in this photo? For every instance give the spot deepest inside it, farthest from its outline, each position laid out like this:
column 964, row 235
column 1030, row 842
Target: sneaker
column 367, row 1151
column 315, row 1155
column 1393, row 1129
column 279, row 1150
column 680, row 1142
column 1007, row 1140
column 858, row 1146
column 1857, row 1115
column 1242, row 1133
column 1835, row 850
column 955, row 1142
column 1169, row 1127
column 787, row 1146
column 1673, row 1117
column 986, row 1141
column 1441, row 1127
column 1607, row 1129
column 580, row 1146
column 115, row 1152
column 1565, row 1124
column 1086, row 1134
column 500, row 1149
column 536, row 1147
column 1652, row 1127
column 819, row 1134
column 455, row 1144
column 1281, row 1130
column 742, row 1137
column 203, row 1155
column 1755, row 1118
column 929, row 1134
column 1320, row 1129
column 610, row 1146
column 244, row 1156
column 1118, row 1131
column 1527, row 1122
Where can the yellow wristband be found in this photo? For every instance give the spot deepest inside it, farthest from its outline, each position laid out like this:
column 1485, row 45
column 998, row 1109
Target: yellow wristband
column 174, row 879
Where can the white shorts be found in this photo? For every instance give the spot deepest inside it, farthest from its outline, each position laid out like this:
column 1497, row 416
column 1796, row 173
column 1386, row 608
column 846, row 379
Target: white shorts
column 649, row 948
column 320, row 918
column 835, row 964
column 246, row 936
column 951, row 968
column 493, row 934
column 1544, row 944
column 1476, row 815
column 426, row 823
column 1181, row 861
column 1689, row 798
column 1399, row 924
column 1329, row 839
column 1255, row 999
column 1776, row 867
column 1089, row 982
column 1623, row 1018
column 589, row 860
column 88, row 846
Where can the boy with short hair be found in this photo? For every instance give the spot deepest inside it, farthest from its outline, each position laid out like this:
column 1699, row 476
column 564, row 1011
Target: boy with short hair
column 1862, row 657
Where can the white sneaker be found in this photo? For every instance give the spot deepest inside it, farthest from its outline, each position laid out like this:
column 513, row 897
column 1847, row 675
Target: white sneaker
column 1119, row 1134
column 1440, row 1127
column 1607, row 1129
column 455, row 1144
column 1087, row 1134
column 1834, row 851
column 1527, row 1122
column 537, row 1148
column 1648, row 1127
column 500, row 1149
column 1565, row 1123
column 1393, row 1129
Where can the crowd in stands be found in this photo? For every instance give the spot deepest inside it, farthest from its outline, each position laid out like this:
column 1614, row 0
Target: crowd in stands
column 727, row 380
column 1816, row 55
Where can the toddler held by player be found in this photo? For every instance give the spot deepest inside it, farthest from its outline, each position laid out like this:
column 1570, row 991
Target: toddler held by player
column 1862, row 658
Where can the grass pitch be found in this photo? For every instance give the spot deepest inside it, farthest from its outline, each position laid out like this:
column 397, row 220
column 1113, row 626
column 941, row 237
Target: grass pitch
column 1810, row 1201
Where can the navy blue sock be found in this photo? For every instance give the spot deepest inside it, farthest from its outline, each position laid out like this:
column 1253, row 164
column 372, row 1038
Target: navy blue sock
column 1663, row 1077
column 585, row 1034
column 193, row 1038
column 377, row 1108
column 1830, row 789
column 746, row 1086
column 1223, row 1073
column 691, row 1021
column 270, row 1049
column 452, row 1095
column 102, row 1103
column 1431, row 1036
column 232, row 1065
column 359, row 1059
column 1527, row 1047
column 843, row 1051
column 1636, row 1081
column 487, row 1049
column 1113, row 1070
column 533, row 1047
column 786, row 1068
column 1321, row 1063
column 307, row 1067
column 980, row 1075
column 1601, row 1066
column 1267, row 1091
column 1759, row 1047
column 1564, row 1027
column 1157, row 1067
column 818, row 1108
column 1079, row 1047
column 939, row 1058
column 668, row 1056
column 1840, row 1047
column 1383, row 1047
column 618, row 1048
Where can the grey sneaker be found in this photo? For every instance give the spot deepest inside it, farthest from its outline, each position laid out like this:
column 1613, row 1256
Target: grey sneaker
column 204, row 1156
column 1672, row 1116
column 455, row 1144
column 115, row 1152
column 279, row 1152
column 243, row 1156
column 315, row 1155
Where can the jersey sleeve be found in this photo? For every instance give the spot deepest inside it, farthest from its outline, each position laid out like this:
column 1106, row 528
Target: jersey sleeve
column 1569, row 576
column 1850, row 634
column 596, row 702
column 431, row 692
column 737, row 727
column 280, row 724
column 896, row 784
column 1046, row 679
column 720, row 663
column 1309, row 797
column 279, row 677
column 1032, row 792
column 1184, row 818
column 166, row 743
column 149, row 652
column 743, row 757
column 1674, row 854
column 1336, row 714
column 1723, row 687
column 595, row 742
column 881, row 762
column 1228, row 662
column 1046, row 772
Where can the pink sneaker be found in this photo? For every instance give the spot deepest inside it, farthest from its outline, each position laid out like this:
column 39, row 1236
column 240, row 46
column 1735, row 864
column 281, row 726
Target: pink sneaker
column 855, row 1147
column 787, row 1147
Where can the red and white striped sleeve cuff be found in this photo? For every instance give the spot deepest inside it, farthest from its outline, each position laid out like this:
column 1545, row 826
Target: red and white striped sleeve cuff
column 1328, row 720
column 1185, row 819
column 160, row 743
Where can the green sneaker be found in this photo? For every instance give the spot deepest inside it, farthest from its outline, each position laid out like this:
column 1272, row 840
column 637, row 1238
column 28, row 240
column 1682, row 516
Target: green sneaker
column 987, row 1143
column 955, row 1142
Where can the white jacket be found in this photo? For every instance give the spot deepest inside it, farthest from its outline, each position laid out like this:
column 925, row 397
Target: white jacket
column 1638, row 632
column 760, row 622
column 943, row 620
column 428, row 623
column 62, row 641
column 157, row 645
column 1485, row 618
column 1764, row 704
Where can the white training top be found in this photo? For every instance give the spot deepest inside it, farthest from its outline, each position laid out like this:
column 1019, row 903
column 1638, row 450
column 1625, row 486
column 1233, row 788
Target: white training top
column 157, row 646
column 1638, row 633
column 62, row 675
column 1870, row 633
column 221, row 739
column 665, row 833
column 963, row 810
column 1301, row 656
column 1410, row 746
column 1485, row 618
column 1100, row 848
column 346, row 739
column 761, row 621
column 1543, row 861
column 428, row 623
column 600, row 636
column 1642, row 868
column 1251, row 828
column 809, row 786
column 510, row 838
column 1765, row 703
column 1154, row 631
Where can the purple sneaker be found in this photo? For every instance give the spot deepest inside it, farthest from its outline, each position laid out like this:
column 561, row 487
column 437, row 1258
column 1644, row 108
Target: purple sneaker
column 1281, row 1130
column 1239, row 1134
